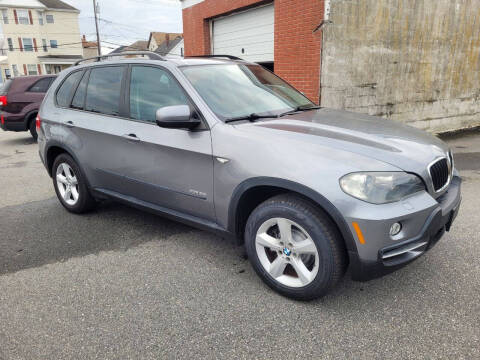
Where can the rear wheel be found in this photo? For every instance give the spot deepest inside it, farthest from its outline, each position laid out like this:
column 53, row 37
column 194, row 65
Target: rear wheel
column 294, row 247
column 33, row 129
column 70, row 185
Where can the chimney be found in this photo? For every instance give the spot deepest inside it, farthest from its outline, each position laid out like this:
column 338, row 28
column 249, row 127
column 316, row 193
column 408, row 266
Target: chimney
column 84, row 40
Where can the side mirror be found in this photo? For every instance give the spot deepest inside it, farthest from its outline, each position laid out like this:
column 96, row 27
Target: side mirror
column 176, row 117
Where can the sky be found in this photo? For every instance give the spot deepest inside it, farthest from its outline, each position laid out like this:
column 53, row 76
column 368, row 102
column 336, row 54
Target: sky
column 126, row 21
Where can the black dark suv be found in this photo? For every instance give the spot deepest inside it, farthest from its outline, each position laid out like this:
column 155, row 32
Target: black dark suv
column 20, row 99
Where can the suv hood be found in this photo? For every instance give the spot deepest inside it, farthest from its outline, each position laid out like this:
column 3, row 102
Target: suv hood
column 400, row 145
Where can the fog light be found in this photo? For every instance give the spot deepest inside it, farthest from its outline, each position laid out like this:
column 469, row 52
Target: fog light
column 395, row 229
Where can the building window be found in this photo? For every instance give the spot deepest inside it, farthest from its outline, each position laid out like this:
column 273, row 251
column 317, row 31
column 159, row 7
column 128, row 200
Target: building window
column 27, row 44
column 10, row 44
column 40, row 17
column 23, row 17
column 53, row 44
column 5, row 16
column 32, row 69
column 44, row 45
column 49, row 19
column 15, row 70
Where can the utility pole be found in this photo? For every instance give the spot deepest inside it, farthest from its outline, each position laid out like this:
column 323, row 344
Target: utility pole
column 99, row 47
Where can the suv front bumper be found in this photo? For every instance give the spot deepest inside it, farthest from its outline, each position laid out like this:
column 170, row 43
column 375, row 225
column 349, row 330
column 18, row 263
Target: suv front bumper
column 397, row 255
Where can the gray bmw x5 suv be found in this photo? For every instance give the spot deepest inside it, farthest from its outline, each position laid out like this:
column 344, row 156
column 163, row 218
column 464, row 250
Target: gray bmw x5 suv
column 225, row 145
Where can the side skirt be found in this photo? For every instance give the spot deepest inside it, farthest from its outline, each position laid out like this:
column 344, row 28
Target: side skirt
column 175, row 215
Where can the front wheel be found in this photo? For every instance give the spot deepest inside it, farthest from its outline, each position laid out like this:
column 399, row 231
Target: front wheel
column 71, row 185
column 294, row 247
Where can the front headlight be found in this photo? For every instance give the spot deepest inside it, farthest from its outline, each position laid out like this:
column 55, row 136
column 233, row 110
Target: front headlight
column 381, row 187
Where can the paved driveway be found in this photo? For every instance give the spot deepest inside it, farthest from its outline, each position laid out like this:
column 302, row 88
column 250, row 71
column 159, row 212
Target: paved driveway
column 122, row 284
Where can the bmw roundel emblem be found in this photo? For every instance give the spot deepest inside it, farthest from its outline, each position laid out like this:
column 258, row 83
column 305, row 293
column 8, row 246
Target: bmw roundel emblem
column 287, row 251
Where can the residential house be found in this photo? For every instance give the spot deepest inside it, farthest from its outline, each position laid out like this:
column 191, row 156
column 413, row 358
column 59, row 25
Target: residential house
column 157, row 38
column 90, row 48
column 171, row 47
column 415, row 62
column 140, row 45
column 40, row 36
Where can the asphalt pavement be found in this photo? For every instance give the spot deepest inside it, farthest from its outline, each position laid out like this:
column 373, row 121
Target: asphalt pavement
column 119, row 283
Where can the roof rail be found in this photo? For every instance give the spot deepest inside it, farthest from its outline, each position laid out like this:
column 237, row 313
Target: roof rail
column 216, row 56
column 151, row 55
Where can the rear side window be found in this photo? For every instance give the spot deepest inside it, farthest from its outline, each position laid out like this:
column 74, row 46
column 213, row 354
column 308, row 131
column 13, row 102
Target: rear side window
column 150, row 89
column 103, row 91
column 79, row 97
column 41, row 85
column 64, row 93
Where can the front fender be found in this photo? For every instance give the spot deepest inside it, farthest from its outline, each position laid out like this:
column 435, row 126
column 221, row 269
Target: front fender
column 309, row 193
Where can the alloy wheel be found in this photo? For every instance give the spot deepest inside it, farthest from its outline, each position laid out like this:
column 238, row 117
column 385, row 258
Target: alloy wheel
column 67, row 184
column 287, row 252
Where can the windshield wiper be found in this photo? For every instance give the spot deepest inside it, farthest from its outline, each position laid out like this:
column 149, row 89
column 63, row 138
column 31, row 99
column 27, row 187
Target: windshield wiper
column 299, row 108
column 250, row 117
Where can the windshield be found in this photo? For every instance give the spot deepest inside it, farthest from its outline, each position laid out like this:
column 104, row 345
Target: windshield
column 236, row 90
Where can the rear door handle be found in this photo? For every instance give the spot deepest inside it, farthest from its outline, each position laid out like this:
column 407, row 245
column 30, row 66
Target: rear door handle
column 70, row 124
column 131, row 137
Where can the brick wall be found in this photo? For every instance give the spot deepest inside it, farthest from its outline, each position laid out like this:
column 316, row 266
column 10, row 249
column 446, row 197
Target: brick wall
column 297, row 47
column 297, row 50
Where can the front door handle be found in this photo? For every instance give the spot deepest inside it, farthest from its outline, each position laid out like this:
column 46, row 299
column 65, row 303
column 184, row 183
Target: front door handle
column 70, row 124
column 131, row 137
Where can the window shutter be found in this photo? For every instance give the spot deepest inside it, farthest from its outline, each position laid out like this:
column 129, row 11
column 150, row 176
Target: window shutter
column 35, row 44
column 30, row 16
column 20, row 44
column 39, row 69
column 25, row 69
column 15, row 16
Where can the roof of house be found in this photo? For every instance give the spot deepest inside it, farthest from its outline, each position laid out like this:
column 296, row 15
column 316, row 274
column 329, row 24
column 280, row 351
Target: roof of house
column 166, row 46
column 57, row 4
column 140, row 45
column 88, row 44
column 160, row 37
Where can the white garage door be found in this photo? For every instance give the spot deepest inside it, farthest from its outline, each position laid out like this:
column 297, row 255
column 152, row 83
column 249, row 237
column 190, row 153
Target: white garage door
column 248, row 34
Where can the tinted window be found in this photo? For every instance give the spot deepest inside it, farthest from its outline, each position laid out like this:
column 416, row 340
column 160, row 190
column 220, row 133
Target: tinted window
column 103, row 92
column 41, row 86
column 150, row 89
column 79, row 97
column 65, row 91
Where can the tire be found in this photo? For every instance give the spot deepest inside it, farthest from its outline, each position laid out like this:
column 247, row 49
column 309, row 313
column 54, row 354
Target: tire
column 80, row 200
column 33, row 129
column 314, row 241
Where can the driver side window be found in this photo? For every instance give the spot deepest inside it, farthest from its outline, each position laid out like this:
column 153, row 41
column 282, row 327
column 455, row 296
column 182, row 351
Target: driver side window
column 150, row 89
